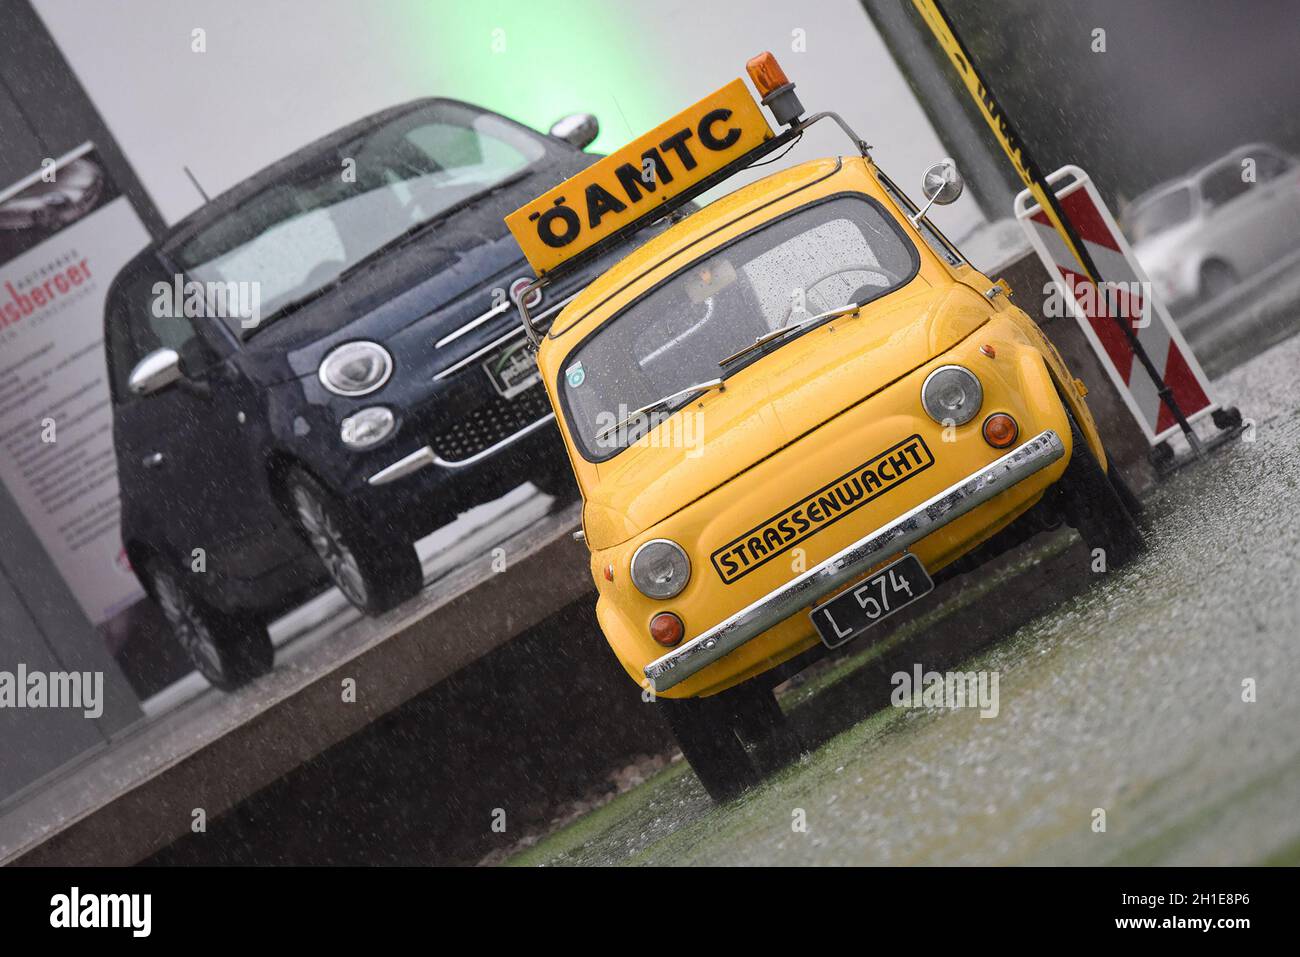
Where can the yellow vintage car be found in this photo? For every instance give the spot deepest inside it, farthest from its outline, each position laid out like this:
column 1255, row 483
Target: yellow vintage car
column 788, row 414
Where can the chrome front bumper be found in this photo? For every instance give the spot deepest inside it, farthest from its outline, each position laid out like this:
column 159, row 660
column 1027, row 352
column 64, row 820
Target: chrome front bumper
column 852, row 562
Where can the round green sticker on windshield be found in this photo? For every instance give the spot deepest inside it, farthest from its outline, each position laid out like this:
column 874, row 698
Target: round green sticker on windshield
column 575, row 375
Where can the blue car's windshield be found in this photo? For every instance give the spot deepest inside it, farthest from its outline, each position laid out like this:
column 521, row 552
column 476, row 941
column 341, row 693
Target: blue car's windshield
column 299, row 234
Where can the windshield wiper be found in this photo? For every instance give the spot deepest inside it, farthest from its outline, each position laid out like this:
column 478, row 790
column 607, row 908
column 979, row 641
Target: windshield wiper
column 415, row 229
column 785, row 330
column 661, row 403
column 397, row 241
column 293, row 305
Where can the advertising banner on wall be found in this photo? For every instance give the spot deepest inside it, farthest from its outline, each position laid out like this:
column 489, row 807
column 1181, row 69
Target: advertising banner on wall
column 65, row 231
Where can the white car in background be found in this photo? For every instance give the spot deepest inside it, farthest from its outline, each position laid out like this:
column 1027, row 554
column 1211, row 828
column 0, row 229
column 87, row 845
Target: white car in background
column 1201, row 234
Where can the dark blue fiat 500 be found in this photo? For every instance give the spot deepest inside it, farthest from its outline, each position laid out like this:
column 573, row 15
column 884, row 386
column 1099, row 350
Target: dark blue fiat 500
column 323, row 364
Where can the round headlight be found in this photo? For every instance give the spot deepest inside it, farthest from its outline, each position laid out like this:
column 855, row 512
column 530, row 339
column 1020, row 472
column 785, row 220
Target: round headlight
column 356, row 368
column 952, row 395
column 368, row 427
column 660, row 569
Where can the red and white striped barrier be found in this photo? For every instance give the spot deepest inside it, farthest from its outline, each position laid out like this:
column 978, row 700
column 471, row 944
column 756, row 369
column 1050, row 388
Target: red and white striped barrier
column 1126, row 290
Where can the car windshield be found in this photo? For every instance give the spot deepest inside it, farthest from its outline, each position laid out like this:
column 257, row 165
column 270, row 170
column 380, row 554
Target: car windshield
column 1160, row 213
column 295, row 237
column 818, row 258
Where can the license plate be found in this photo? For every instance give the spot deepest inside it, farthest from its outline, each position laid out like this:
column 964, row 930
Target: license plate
column 512, row 369
column 852, row 612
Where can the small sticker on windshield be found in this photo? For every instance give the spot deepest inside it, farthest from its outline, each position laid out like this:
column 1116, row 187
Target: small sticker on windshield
column 575, row 375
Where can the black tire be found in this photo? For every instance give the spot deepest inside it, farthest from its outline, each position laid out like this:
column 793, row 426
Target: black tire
column 1126, row 493
column 772, row 737
column 716, row 735
column 373, row 571
column 1217, row 278
column 1095, row 508
column 228, row 650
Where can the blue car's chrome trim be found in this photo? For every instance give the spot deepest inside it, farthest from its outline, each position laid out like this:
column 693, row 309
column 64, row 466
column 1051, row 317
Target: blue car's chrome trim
column 478, row 354
column 403, row 467
column 493, row 449
column 422, row 458
column 479, row 320
column 852, row 562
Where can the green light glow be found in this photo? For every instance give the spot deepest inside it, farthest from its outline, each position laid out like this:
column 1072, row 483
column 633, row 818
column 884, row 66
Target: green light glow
column 538, row 61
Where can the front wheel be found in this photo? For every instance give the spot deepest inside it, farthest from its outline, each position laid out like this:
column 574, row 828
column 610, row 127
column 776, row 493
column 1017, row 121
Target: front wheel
column 228, row 650
column 1096, row 508
column 373, row 572
column 732, row 739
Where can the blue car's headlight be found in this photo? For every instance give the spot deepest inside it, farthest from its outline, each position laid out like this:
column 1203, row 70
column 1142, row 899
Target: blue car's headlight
column 356, row 368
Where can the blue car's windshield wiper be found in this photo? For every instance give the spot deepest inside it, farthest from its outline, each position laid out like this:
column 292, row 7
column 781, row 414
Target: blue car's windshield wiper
column 396, row 242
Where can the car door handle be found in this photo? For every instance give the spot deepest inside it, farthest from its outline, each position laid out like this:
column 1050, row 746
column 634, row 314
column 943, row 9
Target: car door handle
column 153, row 460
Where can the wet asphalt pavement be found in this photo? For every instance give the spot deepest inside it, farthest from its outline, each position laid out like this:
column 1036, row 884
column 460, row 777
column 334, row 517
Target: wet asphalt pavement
column 1120, row 693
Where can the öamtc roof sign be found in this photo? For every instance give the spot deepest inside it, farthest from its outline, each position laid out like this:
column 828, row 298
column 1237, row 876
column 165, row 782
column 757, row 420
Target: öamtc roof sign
column 622, row 188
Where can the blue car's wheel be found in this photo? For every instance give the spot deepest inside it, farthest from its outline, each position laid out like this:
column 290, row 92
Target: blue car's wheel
column 373, row 572
column 228, row 650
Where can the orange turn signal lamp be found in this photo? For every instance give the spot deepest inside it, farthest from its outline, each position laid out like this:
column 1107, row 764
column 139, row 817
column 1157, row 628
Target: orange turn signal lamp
column 667, row 629
column 1000, row 430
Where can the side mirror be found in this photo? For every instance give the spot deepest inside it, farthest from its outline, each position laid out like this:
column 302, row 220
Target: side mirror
column 579, row 130
column 155, row 371
column 941, row 185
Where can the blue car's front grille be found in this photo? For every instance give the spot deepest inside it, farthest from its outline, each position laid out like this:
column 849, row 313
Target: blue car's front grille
column 492, row 422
